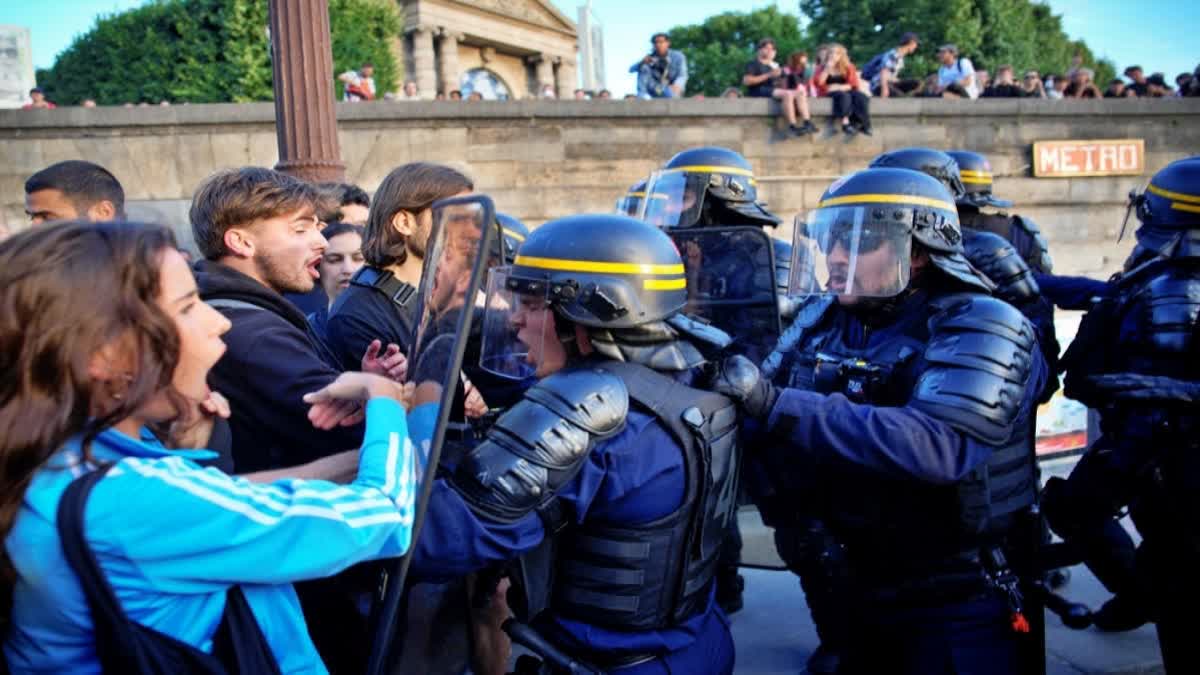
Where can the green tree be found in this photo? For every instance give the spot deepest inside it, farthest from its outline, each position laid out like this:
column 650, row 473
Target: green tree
column 1022, row 33
column 207, row 51
column 719, row 49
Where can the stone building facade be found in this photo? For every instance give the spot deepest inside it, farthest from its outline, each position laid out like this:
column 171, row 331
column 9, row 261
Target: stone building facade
column 502, row 48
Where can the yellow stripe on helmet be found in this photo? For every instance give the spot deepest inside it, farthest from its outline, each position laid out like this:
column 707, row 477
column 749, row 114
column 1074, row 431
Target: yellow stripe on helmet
column 1179, row 206
column 564, row 265
column 886, row 199
column 703, row 168
column 1177, row 196
column 513, row 233
column 971, row 173
column 971, row 177
column 664, row 284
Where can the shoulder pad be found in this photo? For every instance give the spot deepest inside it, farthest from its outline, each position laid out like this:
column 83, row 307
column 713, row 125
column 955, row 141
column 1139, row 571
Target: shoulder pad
column 978, row 358
column 807, row 316
column 540, row 443
column 998, row 260
column 1172, row 305
column 1029, row 241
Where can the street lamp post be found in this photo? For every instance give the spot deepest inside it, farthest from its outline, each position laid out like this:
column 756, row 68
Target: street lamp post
column 302, row 61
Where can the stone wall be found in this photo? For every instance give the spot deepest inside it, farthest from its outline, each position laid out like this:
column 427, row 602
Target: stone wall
column 542, row 159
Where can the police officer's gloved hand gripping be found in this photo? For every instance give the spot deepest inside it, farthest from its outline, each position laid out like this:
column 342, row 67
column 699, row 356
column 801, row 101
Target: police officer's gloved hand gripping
column 738, row 378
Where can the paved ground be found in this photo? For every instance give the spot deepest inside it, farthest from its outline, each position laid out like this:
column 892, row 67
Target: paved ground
column 774, row 633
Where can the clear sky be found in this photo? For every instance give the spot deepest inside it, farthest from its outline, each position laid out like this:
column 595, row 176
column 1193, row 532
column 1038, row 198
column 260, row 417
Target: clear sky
column 1155, row 34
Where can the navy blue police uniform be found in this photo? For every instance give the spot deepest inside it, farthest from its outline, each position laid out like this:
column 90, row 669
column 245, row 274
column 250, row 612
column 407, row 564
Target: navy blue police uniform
column 907, row 420
column 1135, row 360
column 617, row 459
column 994, row 251
column 1023, row 233
column 696, row 193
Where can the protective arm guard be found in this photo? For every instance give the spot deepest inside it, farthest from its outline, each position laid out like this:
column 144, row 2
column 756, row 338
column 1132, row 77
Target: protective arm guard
column 979, row 357
column 540, row 444
column 1027, row 238
column 999, row 261
column 1172, row 312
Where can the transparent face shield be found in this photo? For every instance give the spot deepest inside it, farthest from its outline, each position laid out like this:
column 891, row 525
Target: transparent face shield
column 846, row 251
column 673, row 198
column 517, row 325
column 448, row 283
column 731, row 283
column 630, row 204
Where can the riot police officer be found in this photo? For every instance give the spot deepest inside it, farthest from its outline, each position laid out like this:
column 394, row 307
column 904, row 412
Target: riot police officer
column 992, row 254
column 711, row 187
column 1024, row 234
column 902, row 395
column 1135, row 359
column 706, row 199
column 630, row 204
column 613, row 454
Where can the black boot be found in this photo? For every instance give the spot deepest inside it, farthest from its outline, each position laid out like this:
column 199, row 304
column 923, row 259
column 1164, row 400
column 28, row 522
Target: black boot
column 1122, row 612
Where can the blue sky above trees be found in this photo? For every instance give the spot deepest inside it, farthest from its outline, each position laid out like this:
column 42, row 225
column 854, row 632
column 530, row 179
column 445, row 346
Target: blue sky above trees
column 1156, row 34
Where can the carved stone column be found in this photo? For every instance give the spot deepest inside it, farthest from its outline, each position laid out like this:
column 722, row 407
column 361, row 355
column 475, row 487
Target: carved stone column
column 448, row 72
column 424, row 73
column 544, row 71
column 565, row 78
column 302, row 58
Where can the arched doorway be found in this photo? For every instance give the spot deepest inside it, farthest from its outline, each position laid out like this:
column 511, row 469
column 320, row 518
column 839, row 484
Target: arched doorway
column 487, row 83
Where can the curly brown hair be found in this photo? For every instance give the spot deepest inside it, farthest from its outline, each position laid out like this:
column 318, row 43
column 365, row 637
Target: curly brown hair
column 67, row 291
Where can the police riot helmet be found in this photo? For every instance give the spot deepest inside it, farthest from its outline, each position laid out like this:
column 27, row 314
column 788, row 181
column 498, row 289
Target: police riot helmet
column 858, row 241
column 609, row 273
column 928, row 161
column 1169, row 206
column 976, row 174
column 630, row 204
column 513, row 233
column 707, row 185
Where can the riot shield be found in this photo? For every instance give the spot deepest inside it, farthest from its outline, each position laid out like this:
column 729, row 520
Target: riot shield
column 463, row 233
column 731, row 284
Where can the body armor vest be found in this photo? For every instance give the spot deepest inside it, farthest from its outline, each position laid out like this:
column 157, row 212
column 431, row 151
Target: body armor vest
column 657, row 574
column 877, row 516
column 1022, row 233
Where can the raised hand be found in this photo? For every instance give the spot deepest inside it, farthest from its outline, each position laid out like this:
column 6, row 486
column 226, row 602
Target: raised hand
column 391, row 364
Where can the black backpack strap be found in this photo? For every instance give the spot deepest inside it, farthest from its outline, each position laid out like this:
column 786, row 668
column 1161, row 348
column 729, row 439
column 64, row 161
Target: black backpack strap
column 399, row 292
column 109, row 623
column 124, row 646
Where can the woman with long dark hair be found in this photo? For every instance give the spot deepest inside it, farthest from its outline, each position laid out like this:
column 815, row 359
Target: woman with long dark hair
column 102, row 338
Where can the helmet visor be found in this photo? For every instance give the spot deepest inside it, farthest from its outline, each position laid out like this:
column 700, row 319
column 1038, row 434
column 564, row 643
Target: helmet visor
column 517, row 322
column 847, row 251
column 630, row 204
column 673, row 198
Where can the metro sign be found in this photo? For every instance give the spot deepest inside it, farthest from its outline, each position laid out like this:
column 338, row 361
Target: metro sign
column 1066, row 159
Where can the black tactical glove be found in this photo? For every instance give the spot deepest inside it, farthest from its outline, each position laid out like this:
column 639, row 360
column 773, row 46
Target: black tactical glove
column 738, row 378
column 1134, row 387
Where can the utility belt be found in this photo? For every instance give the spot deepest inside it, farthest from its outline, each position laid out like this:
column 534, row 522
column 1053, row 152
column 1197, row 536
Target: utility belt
column 971, row 575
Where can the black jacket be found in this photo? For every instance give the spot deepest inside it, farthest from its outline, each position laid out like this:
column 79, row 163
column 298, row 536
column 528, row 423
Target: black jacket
column 273, row 359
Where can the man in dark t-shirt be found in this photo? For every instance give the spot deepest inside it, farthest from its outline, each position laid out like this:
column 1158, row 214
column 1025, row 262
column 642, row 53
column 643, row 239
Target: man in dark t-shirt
column 764, row 79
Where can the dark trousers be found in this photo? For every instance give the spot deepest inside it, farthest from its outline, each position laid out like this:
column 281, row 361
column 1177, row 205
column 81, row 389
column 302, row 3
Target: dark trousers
column 969, row 638
column 1082, row 510
column 853, row 104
